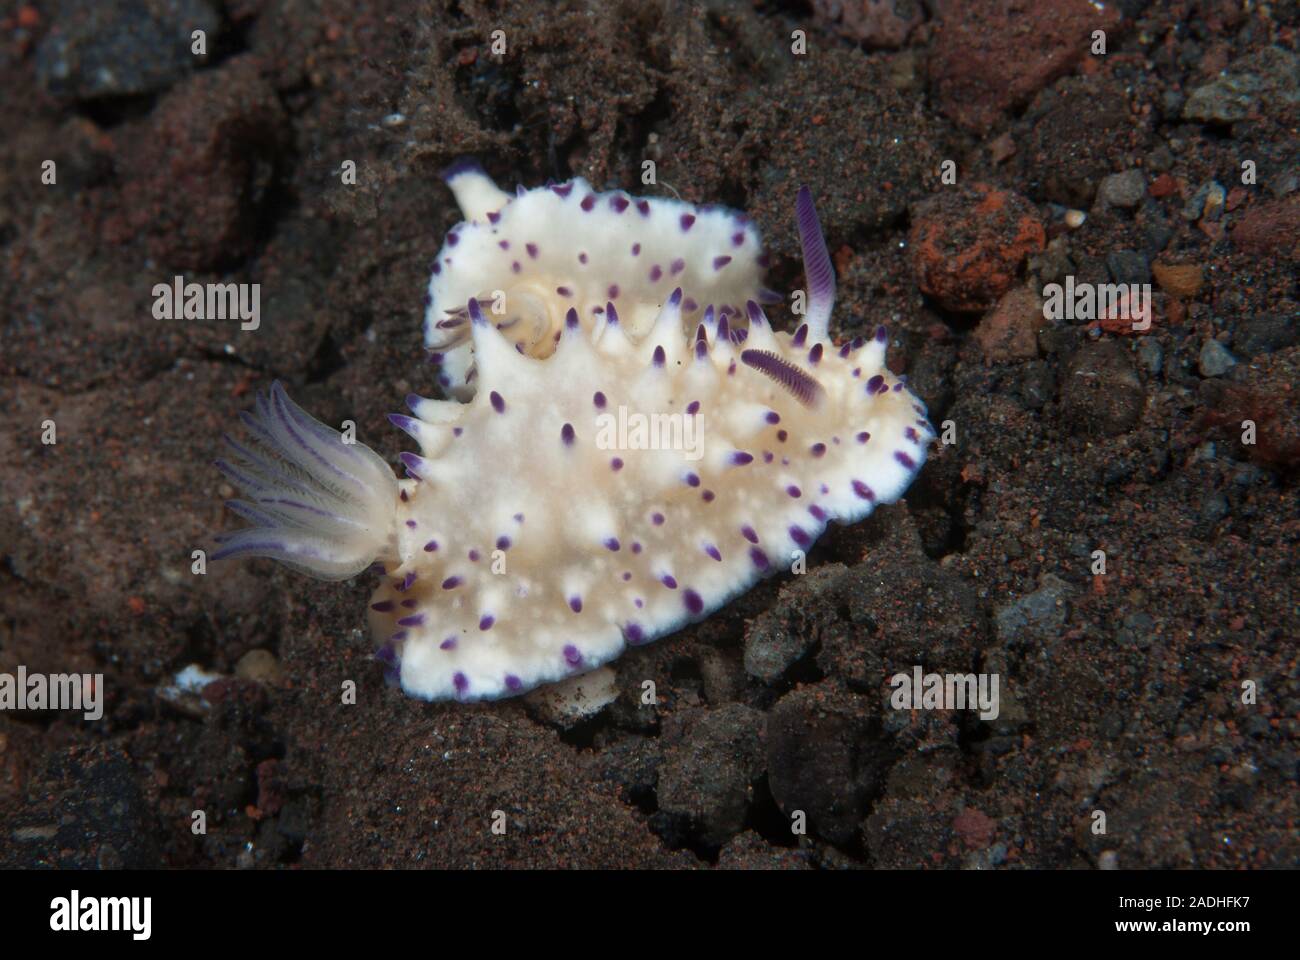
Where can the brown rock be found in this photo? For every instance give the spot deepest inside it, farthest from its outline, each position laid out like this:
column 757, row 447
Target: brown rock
column 201, row 168
column 877, row 23
column 974, row 827
column 1100, row 390
column 968, row 245
column 1271, row 229
column 1181, row 280
column 994, row 55
column 1010, row 330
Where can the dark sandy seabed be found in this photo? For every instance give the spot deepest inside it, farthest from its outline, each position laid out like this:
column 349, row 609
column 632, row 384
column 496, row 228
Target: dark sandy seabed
column 1120, row 692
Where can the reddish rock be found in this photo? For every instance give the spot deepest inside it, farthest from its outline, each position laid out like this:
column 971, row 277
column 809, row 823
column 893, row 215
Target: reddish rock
column 877, row 23
column 967, row 245
column 975, row 828
column 1271, row 229
column 1010, row 330
column 199, row 171
column 994, row 55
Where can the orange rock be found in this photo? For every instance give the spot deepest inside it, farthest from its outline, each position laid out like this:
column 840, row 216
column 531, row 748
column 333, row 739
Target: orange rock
column 968, row 245
column 1178, row 279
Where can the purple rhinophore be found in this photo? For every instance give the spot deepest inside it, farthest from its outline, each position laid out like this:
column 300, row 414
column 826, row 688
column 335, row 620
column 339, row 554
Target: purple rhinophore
column 799, row 384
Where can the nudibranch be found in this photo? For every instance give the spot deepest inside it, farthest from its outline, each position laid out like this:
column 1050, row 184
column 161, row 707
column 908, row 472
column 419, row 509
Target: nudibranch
column 530, row 258
column 600, row 496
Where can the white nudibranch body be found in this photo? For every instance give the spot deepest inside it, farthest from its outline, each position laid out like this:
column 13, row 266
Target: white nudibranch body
column 602, row 494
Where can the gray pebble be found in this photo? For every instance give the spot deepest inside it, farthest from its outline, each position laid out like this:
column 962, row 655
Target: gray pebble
column 1215, row 359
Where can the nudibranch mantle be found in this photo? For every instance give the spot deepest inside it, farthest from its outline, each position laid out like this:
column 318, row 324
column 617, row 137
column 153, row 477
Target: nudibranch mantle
column 589, row 500
column 530, row 257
